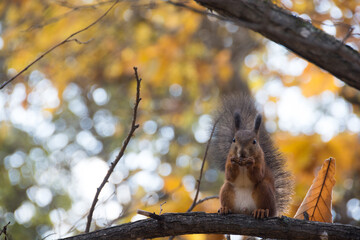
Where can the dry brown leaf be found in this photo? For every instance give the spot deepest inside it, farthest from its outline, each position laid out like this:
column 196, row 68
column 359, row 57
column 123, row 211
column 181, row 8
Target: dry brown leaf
column 317, row 202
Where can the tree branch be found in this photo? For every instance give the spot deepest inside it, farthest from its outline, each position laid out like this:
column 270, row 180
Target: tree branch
column 68, row 39
column 134, row 126
column 206, row 199
column 4, row 229
column 199, row 222
column 198, row 182
column 194, row 203
column 73, row 9
column 294, row 33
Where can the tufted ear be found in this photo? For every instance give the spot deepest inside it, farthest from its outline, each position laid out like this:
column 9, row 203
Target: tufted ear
column 257, row 123
column 237, row 120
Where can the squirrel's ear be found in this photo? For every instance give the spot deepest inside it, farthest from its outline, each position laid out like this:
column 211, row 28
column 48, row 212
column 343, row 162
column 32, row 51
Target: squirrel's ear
column 257, row 123
column 237, row 120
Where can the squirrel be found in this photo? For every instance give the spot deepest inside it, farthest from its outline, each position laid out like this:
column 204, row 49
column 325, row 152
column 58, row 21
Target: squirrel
column 256, row 182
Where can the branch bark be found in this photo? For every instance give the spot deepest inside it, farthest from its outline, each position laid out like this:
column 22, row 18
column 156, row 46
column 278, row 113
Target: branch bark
column 133, row 128
column 200, row 222
column 294, row 33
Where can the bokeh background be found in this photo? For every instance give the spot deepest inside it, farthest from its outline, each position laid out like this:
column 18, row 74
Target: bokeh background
column 63, row 121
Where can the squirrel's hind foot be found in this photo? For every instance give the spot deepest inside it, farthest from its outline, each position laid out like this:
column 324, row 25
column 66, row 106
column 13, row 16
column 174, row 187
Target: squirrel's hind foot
column 224, row 210
column 260, row 213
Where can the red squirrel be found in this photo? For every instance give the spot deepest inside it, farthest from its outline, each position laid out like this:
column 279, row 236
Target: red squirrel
column 256, row 182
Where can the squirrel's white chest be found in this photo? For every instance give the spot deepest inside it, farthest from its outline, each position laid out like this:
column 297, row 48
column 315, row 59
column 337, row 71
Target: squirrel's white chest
column 243, row 188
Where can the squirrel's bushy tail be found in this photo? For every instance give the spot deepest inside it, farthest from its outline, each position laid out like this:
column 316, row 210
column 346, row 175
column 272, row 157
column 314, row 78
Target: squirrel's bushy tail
column 224, row 133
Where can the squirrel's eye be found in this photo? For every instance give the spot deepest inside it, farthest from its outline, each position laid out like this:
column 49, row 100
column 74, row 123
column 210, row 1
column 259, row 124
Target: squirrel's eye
column 254, row 142
column 233, row 139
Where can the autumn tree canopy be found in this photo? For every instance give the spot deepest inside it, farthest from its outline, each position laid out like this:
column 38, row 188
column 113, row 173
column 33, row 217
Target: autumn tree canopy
column 64, row 119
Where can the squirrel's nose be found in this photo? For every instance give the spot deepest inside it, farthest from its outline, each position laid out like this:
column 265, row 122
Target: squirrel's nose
column 241, row 155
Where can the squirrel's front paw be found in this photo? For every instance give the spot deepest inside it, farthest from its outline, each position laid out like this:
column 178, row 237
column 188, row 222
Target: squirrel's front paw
column 260, row 213
column 249, row 162
column 234, row 160
column 224, row 210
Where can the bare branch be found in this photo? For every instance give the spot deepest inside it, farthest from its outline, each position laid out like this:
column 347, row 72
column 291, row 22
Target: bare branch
column 161, row 207
column 159, row 217
column 202, row 169
column 57, row 45
column 134, row 126
column 211, row 223
column 78, row 41
column 195, row 203
column 3, row 231
column 206, row 198
column 149, row 214
column 48, row 236
column 348, row 34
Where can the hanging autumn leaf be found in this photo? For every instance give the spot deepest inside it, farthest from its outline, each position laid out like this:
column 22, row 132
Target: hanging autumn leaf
column 316, row 205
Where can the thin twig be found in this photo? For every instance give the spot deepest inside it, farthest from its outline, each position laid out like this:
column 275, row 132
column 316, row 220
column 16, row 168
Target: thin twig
column 348, row 34
column 73, row 9
column 194, row 203
column 161, row 207
column 149, row 214
column 48, row 236
column 57, row 45
column 206, row 198
column 202, row 169
column 4, row 230
column 80, row 42
column 134, row 126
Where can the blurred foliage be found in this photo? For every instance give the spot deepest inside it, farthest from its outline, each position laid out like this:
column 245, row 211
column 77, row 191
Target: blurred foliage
column 63, row 121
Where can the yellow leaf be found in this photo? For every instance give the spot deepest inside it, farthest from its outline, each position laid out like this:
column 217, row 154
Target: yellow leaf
column 317, row 202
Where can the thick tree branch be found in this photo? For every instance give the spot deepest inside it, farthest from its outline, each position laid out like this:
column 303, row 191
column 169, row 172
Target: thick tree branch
column 199, row 222
column 294, row 33
column 134, row 126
